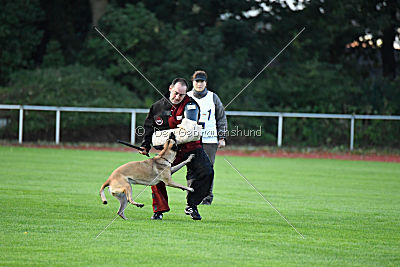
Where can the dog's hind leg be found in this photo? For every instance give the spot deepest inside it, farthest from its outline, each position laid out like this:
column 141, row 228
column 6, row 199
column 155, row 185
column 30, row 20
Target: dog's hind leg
column 102, row 195
column 123, row 202
column 128, row 192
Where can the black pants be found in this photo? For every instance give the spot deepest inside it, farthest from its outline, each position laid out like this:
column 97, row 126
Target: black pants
column 200, row 174
column 211, row 150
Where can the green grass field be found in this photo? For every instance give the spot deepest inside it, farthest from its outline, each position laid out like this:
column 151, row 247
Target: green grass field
column 51, row 213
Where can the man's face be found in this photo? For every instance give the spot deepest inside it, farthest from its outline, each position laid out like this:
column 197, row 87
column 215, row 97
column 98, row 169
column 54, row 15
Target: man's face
column 177, row 93
column 199, row 85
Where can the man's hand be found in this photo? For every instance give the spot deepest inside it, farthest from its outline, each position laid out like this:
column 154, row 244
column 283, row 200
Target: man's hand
column 221, row 143
column 144, row 151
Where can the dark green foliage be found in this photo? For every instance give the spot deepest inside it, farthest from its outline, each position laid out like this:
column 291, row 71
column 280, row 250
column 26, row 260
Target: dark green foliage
column 53, row 56
column 136, row 33
column 316, row 132
column 19, row 35
column 72, row 85
column 318, row 73
column 66, row 22
column 371, row 133
column 67, row 86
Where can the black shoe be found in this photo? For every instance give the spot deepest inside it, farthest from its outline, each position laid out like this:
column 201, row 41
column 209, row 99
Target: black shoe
column 193, row 212
column 157, row 216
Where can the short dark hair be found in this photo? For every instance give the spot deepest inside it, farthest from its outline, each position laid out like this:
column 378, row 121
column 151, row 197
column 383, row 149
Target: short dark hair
column 181, row 81
column 202, row 72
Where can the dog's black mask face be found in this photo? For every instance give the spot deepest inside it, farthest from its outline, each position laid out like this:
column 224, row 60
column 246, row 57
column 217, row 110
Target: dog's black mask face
column 172, row 136
column 174, row 146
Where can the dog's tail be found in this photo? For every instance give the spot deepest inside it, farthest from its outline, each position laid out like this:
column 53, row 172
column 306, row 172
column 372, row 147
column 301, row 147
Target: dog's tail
column 102, row 195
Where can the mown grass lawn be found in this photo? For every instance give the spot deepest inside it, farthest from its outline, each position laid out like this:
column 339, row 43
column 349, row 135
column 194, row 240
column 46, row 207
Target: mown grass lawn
column 51, row 213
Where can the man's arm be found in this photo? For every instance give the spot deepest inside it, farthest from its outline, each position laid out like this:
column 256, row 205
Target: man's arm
column 148, row 130
column 220, row 117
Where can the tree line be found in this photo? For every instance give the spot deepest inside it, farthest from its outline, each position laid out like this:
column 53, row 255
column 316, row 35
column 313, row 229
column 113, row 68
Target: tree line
column 343, row 62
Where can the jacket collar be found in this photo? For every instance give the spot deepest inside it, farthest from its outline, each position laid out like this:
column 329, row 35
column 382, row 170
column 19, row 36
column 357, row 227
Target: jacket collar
column 201, row 94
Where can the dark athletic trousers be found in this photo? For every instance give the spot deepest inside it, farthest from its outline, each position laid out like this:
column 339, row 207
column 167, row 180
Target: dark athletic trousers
column 200, row 175
column 211, row 150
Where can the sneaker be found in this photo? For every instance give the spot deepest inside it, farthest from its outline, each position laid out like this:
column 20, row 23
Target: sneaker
column 157, row 216
column 193, row 212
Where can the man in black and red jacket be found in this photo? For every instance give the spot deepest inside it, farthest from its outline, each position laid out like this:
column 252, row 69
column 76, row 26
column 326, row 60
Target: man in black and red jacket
column 166, row 114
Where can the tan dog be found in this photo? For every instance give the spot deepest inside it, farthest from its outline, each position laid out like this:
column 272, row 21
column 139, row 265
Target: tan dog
column 147, row 172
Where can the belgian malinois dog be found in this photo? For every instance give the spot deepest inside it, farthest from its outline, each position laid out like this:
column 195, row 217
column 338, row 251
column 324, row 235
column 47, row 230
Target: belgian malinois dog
column 147, row 172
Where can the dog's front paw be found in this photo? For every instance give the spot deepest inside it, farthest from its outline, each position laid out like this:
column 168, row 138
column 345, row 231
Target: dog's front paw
column 191, row 189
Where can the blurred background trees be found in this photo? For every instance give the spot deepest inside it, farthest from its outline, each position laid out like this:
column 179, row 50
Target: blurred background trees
column 344, row 62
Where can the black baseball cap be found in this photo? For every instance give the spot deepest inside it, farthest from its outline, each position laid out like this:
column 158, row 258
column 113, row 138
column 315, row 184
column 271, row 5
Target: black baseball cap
column 200, row 77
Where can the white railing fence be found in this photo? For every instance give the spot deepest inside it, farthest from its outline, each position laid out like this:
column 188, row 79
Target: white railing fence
column 133, row 112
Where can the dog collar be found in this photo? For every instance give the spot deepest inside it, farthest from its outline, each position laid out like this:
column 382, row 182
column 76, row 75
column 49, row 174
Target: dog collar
column 166, row 160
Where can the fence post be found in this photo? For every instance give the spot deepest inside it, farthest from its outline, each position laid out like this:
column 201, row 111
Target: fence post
column 58, row 115
column 280, row 126
column 352, row 132
column 133, row 126
column 21, row 123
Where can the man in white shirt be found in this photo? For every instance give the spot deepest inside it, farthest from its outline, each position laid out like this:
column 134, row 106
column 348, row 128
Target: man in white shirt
column 212, row 119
